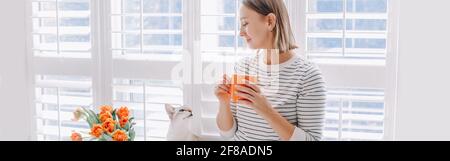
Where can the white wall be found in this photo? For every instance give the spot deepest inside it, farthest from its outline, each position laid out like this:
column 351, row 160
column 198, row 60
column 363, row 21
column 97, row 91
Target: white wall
column 15, row 121
column 423, row 111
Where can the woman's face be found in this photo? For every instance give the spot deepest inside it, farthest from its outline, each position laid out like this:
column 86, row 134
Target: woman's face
column 255, row 29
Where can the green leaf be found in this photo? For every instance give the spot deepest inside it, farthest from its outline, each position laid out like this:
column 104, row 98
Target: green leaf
column 130, row 121
column 96, row 117
column 106, row 137
column 132, row 134
column 118, row 126
column 89, row 121
column 127, row 126
column 132, row 125
column 114, row 115
column 91, row 115
column 86, row 111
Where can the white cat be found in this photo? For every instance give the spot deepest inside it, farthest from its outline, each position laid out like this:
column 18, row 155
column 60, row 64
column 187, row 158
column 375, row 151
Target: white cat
column 180, row 128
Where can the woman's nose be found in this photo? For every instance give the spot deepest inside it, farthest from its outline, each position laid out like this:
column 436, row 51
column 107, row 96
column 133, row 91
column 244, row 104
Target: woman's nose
column 242, row 33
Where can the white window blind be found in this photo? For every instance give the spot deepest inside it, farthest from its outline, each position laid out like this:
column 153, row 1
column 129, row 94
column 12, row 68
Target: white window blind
column 346, row 29
column 61, row 28
column 146, row 27
column 146, row 44
column 56, row 98
column 60, row 61
column 354, row 115
column 348, row 39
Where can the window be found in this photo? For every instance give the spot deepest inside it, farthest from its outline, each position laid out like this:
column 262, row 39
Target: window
column 349, row 40
column 61, row 52
column 354, row 115
column 146, row 38
column 61, row 28
column 56, row 98
column 82, row 59
column 346, row 29
column 146, row 53
column 146, row 27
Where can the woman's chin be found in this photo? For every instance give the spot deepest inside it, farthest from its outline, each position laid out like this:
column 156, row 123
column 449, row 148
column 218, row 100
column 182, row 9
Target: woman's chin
column 253, row 47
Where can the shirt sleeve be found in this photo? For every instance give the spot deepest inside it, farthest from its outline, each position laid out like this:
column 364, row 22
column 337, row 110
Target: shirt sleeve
column 310, row 106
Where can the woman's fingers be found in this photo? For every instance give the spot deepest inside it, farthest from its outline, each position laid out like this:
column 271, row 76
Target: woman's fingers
column 253, row 87
column 245, row 102
column 246, row 89
column 245, row 96
column 222, row 88
column 224, row 82
column 221, row 91
column 226, row 79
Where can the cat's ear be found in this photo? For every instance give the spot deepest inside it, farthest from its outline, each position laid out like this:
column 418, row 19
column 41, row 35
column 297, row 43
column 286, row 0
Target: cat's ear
column 170, row 111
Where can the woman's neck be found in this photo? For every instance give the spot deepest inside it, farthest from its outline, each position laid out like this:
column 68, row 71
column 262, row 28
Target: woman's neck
column 274, row 58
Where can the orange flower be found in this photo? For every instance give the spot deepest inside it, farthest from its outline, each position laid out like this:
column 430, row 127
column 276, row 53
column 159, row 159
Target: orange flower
column 119, row 135
column 76, row 137
column 96, row 131
column 123, row 121
column 105, row 116
column 109, row 125
column 106, row 108
column 123, row 112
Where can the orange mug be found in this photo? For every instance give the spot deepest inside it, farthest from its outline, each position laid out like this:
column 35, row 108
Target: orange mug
column 238, row 80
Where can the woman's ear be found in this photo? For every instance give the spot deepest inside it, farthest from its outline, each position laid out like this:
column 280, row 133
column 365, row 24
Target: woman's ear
column 272, row 21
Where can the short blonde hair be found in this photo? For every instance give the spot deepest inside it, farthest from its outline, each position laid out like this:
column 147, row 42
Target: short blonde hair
column 284, row 38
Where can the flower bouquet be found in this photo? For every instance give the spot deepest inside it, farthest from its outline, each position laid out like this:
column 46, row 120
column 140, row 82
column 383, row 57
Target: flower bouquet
column 107, row 125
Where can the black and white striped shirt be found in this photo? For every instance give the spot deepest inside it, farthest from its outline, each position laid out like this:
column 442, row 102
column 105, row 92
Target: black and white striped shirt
column 295, row 89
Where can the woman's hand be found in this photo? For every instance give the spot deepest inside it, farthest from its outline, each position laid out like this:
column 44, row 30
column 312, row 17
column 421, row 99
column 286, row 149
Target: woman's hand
column 222, row 90
column 224, row 119
column 251, row 96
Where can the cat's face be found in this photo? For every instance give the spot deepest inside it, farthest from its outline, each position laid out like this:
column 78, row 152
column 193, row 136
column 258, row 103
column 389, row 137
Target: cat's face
column 180, row 123
column 179, row 113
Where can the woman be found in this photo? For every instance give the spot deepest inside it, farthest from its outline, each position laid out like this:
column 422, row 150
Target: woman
column 292, row 108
